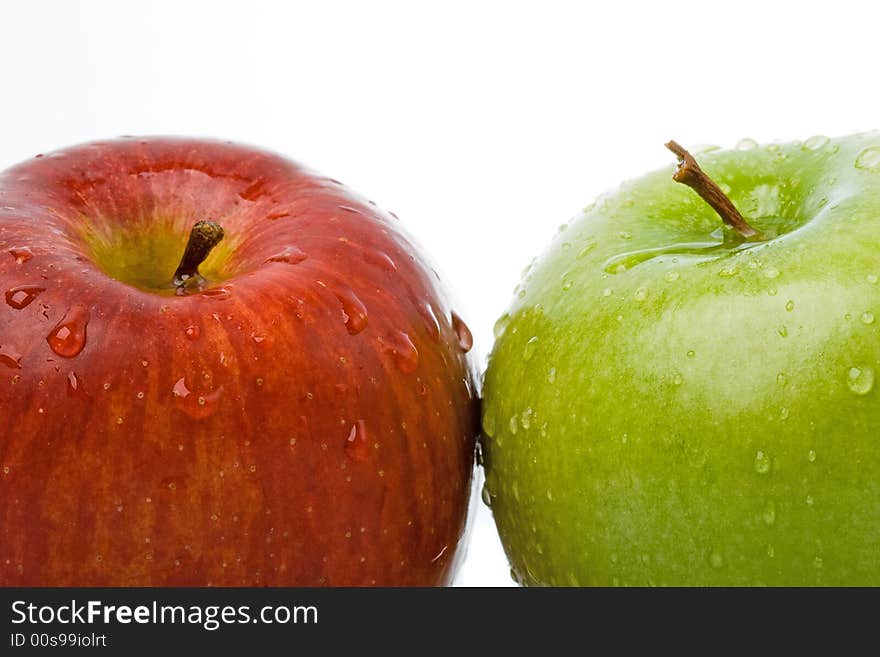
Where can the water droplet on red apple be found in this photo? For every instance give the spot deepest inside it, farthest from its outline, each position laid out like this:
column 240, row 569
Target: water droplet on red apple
column 402, row 350
column 217, row 293
column 21, row 296
column 198, row 405
column 356, row 444
column 290, row 255
column 463, row 333
column 193, row 332
column 68, row 338
column 21, row 254
column 10, row 357
column 354, row 313
column 349, row 208
column 74, row 386
column 426, row 312
column 380, row 259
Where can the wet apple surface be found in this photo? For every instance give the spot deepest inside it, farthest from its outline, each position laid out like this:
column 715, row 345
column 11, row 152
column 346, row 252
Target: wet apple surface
column 307, row 416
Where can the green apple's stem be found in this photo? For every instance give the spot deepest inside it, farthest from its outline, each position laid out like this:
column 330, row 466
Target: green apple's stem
column 689, row 173
column 205, row 235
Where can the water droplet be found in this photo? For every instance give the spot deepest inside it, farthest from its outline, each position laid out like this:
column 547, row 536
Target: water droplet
column 68, row 338
column 217, row 293
column 526, row 419
column 357, row 446
column 769, row 514
column 530, row 348
column 403, row 351
column 811, row 456
column 789, row 305
column 782, row 331
column 818, row 562
column 463, row 333
column 354, row 313
column 193, row 332
column 782, row 379
column 588, row 246
column 784, row 413
column 566, row 284
column 869, row 159
column 197, row 405
column 607, row 292
column 513, row 425
column 290, row 255
column 716, row 560
column 625, row 235
column 21, row 254
column 489, row 423
column 74, row 386
column 486, row 495
column 746, row 144
column 500, row 325
column 815, row 142
column 691, row 353
column 809, row 500
column 429, row 318
column 860, row 380
column 677, row 378
column 872, row 279
column 867, row 317
column 380, row 259
column 771, row 272
column 551, row 376
column 10, row 357
column 21, row 296
column 762, row 463
column 671, row 276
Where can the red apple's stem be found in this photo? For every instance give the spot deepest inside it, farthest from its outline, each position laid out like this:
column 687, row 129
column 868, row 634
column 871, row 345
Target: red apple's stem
column 205, row 235
column 689, row 173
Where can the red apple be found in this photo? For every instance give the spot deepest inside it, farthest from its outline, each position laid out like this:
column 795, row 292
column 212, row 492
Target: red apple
column 305, row 415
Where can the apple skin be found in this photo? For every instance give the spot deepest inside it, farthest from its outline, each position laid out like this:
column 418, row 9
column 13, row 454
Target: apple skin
column 310, row 419
column 664, row 409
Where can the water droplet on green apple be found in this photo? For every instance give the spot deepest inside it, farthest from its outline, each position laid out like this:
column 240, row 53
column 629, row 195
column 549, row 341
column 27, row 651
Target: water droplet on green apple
column 809, row 500
column 782, row 379
column 728, row 271
column 68, row 338
column 818, row 562
column 526, row 419
column 867, row 317
column 872, row 279
column 762, row 463
column 21, row 296
column 500, row 325
column 607, row 292
column 676, row 378
column 515, row 490
column 769, row 514
column 811, row 456
column 671, row 276
column 589, row 245
column 513, row 424
column 869, row 159
column 746, row 144
column 551, row 376
column 691, row 353
column 783, row 413
column 815, row 142
column 789, row 305
column 860, row 380
column 489, row 422
column 771, row 272
column 486, row 495
column 782, row 331
column 566, row 284
column 771, row 551
column 530, row 348
column 640, row 294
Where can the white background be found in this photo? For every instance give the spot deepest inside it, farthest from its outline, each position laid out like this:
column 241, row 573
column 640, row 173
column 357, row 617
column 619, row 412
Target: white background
column 483, row 125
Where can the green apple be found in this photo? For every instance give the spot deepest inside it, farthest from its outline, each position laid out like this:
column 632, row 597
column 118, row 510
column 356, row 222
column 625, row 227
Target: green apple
column 674, row 400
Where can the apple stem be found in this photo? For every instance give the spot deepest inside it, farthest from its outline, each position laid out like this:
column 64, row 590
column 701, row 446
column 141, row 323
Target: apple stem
column 205, row 235
column 689, row 173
